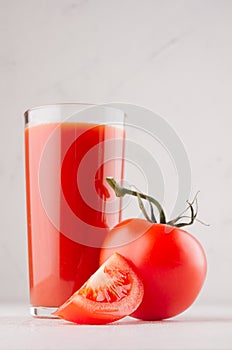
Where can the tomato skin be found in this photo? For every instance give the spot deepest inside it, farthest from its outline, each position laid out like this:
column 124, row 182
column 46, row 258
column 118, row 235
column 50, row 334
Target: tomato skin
column 170, row 261
column 88, row 306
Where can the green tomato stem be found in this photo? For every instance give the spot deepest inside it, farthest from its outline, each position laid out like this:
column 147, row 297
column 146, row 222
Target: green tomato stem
column 122, row 191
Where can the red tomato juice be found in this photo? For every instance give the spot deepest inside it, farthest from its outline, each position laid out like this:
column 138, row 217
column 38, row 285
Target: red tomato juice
column 67, row 204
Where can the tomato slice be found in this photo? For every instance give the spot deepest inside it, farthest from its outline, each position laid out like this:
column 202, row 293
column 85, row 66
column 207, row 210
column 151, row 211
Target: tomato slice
column 112, row 292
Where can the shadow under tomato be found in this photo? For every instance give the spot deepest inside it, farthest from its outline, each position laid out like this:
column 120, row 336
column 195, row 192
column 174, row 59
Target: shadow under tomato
column 130, row 321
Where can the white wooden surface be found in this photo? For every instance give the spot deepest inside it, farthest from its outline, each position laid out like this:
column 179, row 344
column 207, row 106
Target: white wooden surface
column 208, row 327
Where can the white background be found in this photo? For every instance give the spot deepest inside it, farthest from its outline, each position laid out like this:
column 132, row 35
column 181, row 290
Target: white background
column 171, row 56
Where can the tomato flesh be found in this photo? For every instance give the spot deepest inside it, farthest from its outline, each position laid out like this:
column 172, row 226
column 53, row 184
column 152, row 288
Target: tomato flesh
column 112, row 292
column 114, row 285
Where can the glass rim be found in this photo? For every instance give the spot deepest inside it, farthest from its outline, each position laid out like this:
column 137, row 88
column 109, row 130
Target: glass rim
column 63, row 104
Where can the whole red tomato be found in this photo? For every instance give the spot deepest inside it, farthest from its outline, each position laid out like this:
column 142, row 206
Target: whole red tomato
column 170, row 261
column 171, row 264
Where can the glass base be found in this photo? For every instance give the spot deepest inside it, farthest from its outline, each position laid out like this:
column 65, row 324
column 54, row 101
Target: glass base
column 43, row 312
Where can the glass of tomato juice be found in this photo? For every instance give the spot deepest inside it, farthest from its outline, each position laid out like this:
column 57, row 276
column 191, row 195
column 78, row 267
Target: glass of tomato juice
column 69, row 151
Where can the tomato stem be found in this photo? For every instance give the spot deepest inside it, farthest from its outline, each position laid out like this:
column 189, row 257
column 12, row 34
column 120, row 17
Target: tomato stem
column 142, row 208
column 177, row 222
column 122, row 191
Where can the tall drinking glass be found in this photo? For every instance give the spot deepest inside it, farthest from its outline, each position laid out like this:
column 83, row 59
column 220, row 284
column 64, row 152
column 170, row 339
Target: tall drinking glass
column 69, row 151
